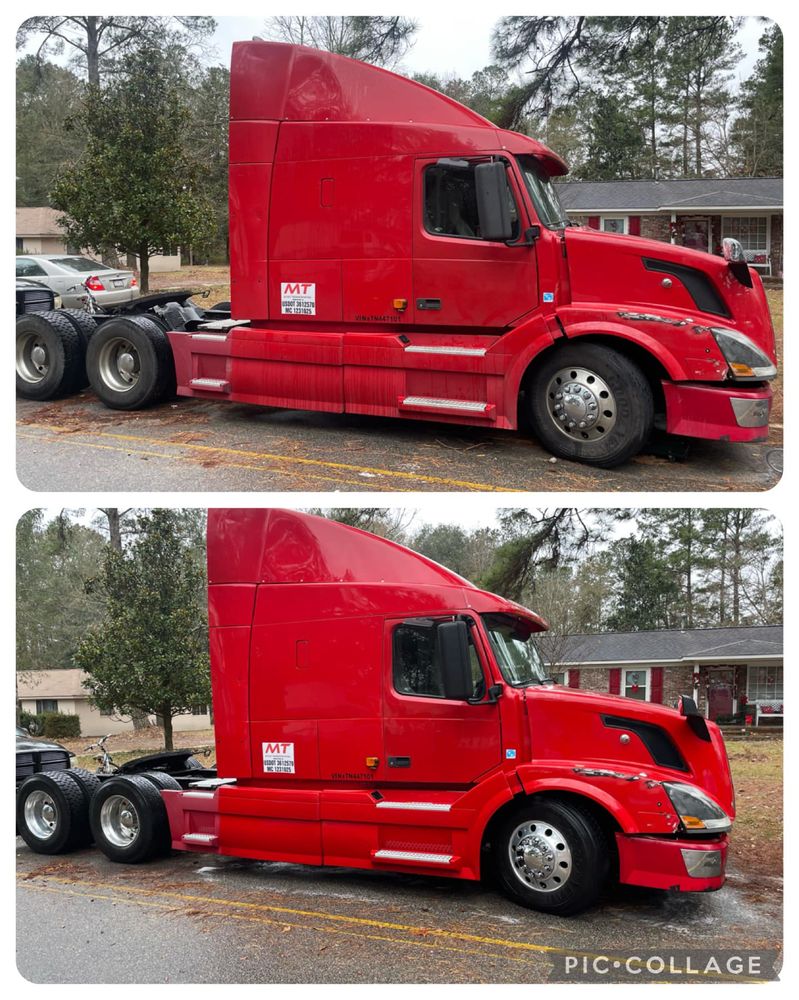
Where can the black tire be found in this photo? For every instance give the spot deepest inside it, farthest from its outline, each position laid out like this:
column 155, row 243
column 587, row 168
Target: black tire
column 192, row 764
column 575, row 856
column 56, row 799
column 85, row 325
column 611, row 435
column 152, row 838
column 50, row 356
column 220, row 307
column 161, row 780
column 137, row 342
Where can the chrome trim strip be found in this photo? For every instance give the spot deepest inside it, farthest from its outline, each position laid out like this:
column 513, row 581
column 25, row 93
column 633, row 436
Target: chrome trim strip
column 420, row 806
column 472, row 352
column 652, row 318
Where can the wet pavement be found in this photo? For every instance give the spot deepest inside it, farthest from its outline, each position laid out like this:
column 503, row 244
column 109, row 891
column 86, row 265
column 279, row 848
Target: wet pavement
column 204, row 918
column 77, row 444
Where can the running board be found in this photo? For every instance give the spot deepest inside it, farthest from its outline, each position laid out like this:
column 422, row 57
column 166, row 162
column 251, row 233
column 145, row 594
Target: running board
column 206, row 839
column 210, row 384
column 416, row 858
column 429, row 404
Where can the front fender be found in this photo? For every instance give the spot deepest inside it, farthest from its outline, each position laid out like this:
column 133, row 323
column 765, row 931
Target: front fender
column 534, row 785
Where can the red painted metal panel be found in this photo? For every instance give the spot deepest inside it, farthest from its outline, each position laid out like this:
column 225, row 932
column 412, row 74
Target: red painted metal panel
column 253, row 142
column 249, row 209
column 658, row 863
column 706, row 411
column 230, row 655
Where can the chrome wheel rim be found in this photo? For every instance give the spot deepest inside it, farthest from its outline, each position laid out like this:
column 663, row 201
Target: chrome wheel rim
column 540, row 856
column 41, row 815
column 33, row 358
column 119, row 821
column 119, row 364
column 581, row 404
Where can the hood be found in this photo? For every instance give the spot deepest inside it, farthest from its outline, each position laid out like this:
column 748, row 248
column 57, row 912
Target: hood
column 627, row 272
column 586, row 727
column 28, row 743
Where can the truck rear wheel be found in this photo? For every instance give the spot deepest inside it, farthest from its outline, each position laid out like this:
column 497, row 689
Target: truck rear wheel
column 85, row 324
column 50, row 356
column 53, row 813
column 551, row 855
column 129, row 363
column 591, row 404
column 129, row 821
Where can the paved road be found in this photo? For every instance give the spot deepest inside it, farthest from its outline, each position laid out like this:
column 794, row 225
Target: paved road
column 202, row 918
column 192, row 445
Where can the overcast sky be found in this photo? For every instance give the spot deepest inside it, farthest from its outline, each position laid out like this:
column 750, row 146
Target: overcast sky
column 441, row 49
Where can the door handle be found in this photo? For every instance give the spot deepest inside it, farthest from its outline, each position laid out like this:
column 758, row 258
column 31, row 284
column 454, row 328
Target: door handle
column 399, row 761
column 429, row 304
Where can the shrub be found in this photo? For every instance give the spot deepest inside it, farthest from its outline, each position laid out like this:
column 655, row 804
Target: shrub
column 58, row 725
column 30, row 721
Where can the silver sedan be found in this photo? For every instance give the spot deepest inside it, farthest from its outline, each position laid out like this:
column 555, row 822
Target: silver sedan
column 67, row 273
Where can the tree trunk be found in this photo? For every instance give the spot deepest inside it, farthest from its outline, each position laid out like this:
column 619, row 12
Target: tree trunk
column 166, row 712
column 114, row 528
column 144, row 268
column 92, row 52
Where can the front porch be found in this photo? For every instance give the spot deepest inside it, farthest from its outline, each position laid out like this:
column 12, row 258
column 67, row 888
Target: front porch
column 748, row 694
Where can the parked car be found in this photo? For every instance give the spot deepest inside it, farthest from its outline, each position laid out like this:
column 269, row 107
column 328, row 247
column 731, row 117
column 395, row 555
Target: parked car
column 35, row 755
column 66, row 274
column 33, row 296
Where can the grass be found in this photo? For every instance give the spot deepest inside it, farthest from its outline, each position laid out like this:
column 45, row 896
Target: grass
column 775, row 304
column 757, row 835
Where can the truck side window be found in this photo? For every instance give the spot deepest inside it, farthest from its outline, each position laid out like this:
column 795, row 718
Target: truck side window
column 450, row 202
column 415, row 664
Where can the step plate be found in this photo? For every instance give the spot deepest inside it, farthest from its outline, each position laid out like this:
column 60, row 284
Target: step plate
column 443, row 807
column 208, row 839
column 430, row 403
column 210, row 384
column 413, row 857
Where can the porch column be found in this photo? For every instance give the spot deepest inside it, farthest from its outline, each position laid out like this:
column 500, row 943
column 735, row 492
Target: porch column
column 673, row 232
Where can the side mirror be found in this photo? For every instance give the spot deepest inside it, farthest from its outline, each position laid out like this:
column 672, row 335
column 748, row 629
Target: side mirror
column 452, row 644
column 733, row 253
column 493, row 210
column 687, row 706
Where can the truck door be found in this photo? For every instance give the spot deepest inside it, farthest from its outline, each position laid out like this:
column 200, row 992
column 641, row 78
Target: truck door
column 428, row 738
column 460, row 279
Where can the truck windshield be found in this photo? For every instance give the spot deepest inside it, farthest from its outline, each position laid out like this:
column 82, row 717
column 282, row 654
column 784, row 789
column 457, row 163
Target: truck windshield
column 545, row 198
column 514, row 650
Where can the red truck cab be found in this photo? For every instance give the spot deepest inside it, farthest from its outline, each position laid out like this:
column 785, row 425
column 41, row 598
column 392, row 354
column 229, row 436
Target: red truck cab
column 375, row 710
column 393, row 253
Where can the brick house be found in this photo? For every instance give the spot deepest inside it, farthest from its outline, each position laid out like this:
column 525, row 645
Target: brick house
column 696, row 213
column 728, row 671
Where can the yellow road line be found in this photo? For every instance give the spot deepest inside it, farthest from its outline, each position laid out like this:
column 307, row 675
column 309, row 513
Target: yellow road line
column 250, row 918
column 429, row 932
column 291, row 459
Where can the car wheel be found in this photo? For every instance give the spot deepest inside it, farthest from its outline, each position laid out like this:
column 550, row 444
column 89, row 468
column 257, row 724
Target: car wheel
column 129, row 363
column 50, row 356
column 52, row 813
column 551, row 855
column 591, row 404
column 129, row 821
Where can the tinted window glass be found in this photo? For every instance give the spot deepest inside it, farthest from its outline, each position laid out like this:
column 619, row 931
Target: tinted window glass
column 80, row 264
column 417, row 669
column 450, row 202
column 28, row 268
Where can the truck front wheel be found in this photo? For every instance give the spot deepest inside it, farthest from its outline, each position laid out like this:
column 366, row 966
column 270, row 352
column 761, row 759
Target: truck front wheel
column 129, row 363
column 129, row 821
column 590, row 404
column 551, row 855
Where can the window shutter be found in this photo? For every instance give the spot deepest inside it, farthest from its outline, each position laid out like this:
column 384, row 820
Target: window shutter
column 614, row 680
column 656, row 685
column 634, row 225
column 574, row 678
column 593, row 221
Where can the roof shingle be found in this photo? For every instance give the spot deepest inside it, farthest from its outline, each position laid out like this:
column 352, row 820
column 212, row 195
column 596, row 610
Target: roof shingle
column 681, row 195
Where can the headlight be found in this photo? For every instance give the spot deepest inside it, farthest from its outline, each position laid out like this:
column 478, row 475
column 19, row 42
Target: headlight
column 696, row 810
column 745, row 358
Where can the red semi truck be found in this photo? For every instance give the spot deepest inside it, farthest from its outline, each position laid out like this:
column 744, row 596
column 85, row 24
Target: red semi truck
column 375, row 710
column 395, row 254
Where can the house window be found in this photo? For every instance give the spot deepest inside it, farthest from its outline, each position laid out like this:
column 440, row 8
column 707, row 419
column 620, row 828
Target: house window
column 752, row 233
column 20, row 244
column 614, row 223
column 561, row 677
column 764, row 683
column 199, row 710
column 46, row 705
column 635, row 684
